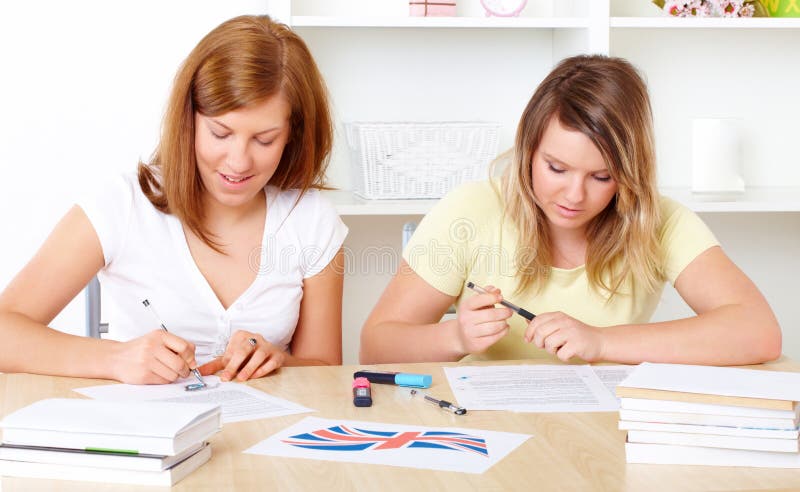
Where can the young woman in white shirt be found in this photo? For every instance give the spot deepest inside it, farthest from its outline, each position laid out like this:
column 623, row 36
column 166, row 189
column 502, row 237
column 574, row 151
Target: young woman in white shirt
column 224, row 232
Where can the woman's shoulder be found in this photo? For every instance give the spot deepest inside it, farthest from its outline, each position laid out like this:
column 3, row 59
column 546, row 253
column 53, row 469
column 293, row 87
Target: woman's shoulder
column 115, row 205
column 668, row 205
column 124, row 185
column 310, row 201
column 471, row 210
column 475, row 198
column 126, row 182
column 306, row 217
column 672, row 210
column 307, row 213
column 679, row 222
column 112, row 192
column 683, row 235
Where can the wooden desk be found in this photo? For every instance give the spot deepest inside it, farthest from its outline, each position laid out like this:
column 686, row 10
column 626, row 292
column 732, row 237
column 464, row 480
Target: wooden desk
column 578, row 451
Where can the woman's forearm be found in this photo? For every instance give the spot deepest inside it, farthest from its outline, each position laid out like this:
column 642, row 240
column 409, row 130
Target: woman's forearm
column 728, row 335
column 392, row 341
column 291, row 360
column 28, row 346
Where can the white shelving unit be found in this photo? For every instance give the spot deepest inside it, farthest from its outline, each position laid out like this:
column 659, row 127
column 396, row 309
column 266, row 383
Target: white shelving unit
column 347, row 203
column 441, row 22
column 704, row 23
column 616, row 27
column 765, row 199
column 770, row 199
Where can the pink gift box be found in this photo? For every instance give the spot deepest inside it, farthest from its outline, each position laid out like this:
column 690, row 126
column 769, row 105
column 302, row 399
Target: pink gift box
column 432, row 8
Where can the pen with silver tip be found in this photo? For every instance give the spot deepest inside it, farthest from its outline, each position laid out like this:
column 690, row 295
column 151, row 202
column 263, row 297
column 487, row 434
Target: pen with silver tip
column 164, row 327
column 522, row 312
column 447, row 405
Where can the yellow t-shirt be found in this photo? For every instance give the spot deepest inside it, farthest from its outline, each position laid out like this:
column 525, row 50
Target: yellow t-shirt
column 467, row 238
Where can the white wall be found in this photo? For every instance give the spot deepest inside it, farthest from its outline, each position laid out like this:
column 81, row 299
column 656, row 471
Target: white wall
column 82, row 90
column 692, row 75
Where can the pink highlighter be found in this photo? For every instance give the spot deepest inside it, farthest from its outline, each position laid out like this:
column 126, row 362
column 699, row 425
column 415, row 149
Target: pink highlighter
column 362, row 395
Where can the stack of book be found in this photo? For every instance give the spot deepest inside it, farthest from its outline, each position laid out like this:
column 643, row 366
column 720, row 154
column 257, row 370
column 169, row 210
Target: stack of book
column 701, row 415
column 146, row 443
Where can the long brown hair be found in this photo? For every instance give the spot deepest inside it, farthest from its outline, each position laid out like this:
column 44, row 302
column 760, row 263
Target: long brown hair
column 605, row 99
column 242, row 61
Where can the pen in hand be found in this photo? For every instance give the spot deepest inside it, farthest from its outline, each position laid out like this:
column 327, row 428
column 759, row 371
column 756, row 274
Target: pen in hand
column 522, row 312
column 164, row 327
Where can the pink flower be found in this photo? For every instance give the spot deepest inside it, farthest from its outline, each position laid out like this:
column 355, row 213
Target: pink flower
column 702, row 11
column 730, row 8
column 682, row 8
column 709, row 8
column 747, row 11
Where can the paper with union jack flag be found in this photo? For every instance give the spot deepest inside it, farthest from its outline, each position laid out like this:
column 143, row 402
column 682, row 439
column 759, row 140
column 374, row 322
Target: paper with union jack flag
column 435, row 448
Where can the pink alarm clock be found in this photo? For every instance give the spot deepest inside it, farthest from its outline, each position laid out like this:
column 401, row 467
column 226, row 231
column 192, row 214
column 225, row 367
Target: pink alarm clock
column 503, row 8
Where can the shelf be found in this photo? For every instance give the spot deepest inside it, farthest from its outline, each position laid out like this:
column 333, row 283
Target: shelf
column 657, row 22
column 439, row 22
column 771, row 199
column 766, row 199
column 347, row 203
column 704, row 23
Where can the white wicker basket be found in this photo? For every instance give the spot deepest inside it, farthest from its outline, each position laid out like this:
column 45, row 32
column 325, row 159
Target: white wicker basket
column 418, row 160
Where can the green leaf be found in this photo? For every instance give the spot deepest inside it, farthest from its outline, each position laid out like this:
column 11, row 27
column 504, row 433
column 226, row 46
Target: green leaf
column 660, row 3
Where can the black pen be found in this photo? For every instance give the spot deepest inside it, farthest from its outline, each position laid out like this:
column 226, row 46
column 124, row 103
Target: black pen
column 164, row 327
column 522, row 312
column 444, row 404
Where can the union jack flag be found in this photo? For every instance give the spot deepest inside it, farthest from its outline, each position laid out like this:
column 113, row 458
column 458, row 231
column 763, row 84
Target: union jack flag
column 343, row 438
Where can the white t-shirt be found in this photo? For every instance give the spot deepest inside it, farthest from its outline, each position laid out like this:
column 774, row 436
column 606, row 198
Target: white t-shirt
column 147, row 257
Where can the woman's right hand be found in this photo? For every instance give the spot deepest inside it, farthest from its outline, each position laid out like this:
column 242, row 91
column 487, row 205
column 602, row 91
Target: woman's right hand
column 480, row 324
column 158, row 357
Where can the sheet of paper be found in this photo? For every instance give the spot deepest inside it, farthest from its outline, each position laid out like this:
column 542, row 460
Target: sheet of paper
column 534, row 388
column 239, row 402
column 611, row 376
column 432, row 448
column 727, row 381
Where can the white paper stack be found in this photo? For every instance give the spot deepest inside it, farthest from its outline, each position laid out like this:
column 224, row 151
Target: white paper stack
column 702, row 415
column 146, row 443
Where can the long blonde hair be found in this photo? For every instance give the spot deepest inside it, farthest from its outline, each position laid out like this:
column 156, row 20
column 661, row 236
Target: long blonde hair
column 242, row 61
column 605, row 99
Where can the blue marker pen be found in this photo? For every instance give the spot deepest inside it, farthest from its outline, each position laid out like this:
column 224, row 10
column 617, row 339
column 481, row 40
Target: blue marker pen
column 398, row 378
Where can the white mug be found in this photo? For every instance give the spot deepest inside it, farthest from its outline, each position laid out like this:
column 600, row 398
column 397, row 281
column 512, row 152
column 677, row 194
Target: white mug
column 716, row 156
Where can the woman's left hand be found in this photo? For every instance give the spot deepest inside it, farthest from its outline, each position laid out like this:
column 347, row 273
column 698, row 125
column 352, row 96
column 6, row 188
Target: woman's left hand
column 247, row 356
column 565, row 337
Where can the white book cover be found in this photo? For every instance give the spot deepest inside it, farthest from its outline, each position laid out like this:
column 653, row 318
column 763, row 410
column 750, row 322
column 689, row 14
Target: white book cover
column 51, row 471
column 705, row 419
column 709, row 429
column 668, row 454
column 99, row 459
column 708, row 408
column 151, row 427
column 715, row 441
column 726, row 381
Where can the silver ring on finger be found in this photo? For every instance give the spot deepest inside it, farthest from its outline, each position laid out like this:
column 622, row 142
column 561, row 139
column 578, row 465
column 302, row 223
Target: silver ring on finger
column 253, row 342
